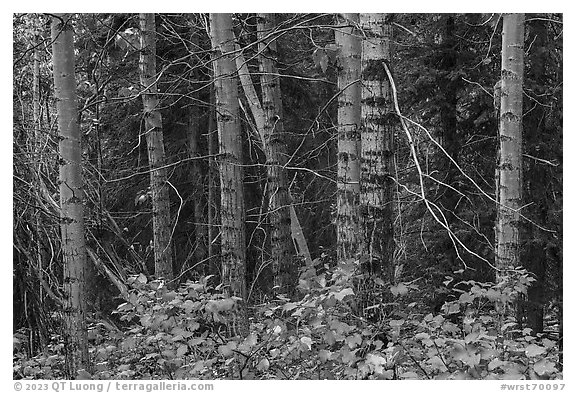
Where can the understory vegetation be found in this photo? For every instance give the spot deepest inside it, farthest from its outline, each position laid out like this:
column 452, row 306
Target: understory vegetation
column 183, row 333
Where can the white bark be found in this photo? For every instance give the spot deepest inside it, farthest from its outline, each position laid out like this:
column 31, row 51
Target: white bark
column 233, row 234
column 377, row 143
column 348, row 232
column 71, row 196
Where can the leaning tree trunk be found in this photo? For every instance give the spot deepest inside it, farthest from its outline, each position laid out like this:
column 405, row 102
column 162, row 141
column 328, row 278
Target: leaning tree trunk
column 71, row 196
column 156, row 157
column 377, row 144
column 274, row 140
column 349, row 235
column 233, row 232
column 509, row 184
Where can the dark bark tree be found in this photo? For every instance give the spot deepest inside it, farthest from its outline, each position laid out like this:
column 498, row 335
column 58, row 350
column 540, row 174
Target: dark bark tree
column 213, row 197
column 536, row 243
column 161, row 223
column 197, row 176
column 449, row 86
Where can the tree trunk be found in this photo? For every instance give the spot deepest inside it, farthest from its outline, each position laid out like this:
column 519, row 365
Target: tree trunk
column 377, row 144
column 161, row 222
column 71, row 196
column 349, row 235
column 197, row 176
column 509, row 185
column 233, row 232
column 36, row 104
column 534, row 241
column 212, row 137
column 298, row 240
column 283, row 271
column 449, row 87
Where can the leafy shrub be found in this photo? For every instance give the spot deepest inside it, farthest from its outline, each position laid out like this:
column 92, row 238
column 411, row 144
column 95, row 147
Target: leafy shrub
column 183, row 334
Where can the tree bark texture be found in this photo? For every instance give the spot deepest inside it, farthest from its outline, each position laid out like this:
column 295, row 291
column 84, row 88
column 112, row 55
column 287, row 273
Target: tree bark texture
column 509, row 187
column 71, row 196
column 510, row 142
column 284, row 273
column 349, row 235
column 377, row 144
column 161, row 222
column 233, row 232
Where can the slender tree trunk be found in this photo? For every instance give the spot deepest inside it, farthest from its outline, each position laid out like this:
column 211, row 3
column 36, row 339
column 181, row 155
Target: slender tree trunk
column 71, row 196
column 377, row 144
column 36, row 103
column 298, row 240
column 37, row 157
column 197, row 177
column 161, row 222
column 196, row 173
column 536, row 242
column 250, row 92
column 348, row 225
column 212, row 137
column 509, row 185
column 232, row 215
column 274, row 141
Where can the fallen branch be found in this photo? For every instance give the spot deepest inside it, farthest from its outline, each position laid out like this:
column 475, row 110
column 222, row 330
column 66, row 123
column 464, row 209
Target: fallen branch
column 101, row 266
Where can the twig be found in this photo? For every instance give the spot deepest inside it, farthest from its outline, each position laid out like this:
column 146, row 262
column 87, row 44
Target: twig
column 422, row 194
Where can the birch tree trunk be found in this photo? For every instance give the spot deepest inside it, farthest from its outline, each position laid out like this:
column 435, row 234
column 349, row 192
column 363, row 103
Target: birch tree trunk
column 349, row 234
column 275, row 149
column 155, row 143
column 233, row 232
column 509, row 185
column 71, row 196
column 377, row 144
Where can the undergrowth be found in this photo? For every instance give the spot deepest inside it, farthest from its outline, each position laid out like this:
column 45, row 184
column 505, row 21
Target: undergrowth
column 183, row 334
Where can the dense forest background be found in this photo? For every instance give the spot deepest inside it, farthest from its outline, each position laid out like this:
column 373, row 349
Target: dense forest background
column 223, row 233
